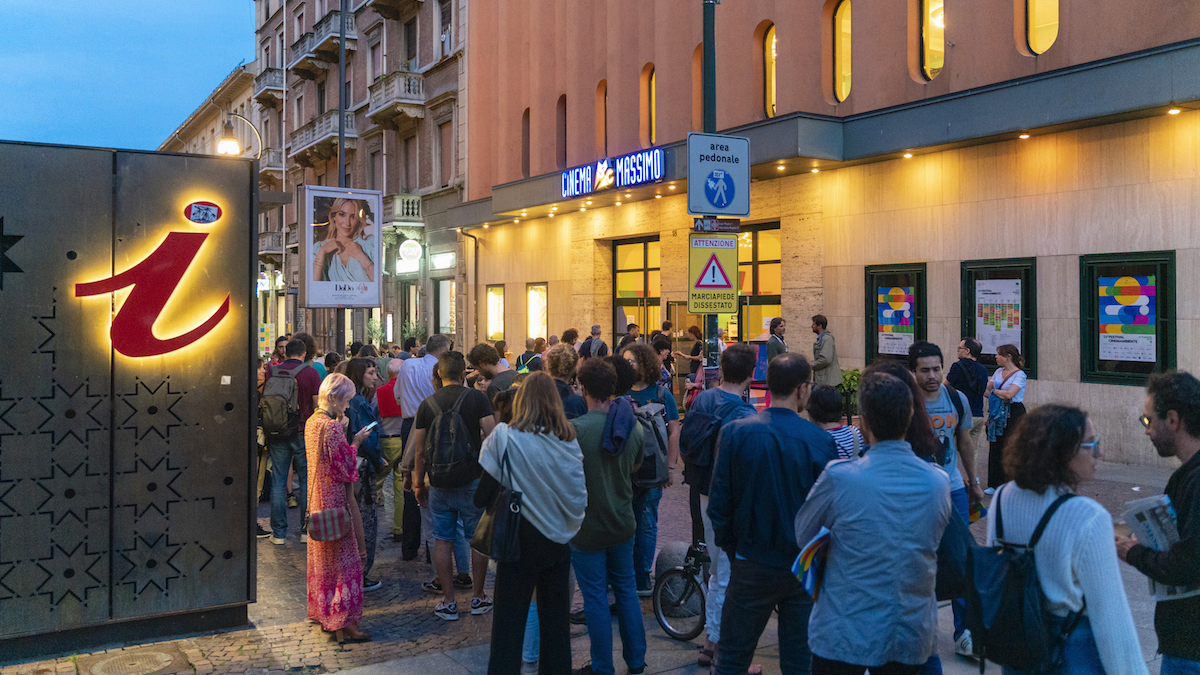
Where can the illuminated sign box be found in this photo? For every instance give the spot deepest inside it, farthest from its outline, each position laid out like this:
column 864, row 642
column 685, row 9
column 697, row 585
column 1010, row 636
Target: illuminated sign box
column 638, row 168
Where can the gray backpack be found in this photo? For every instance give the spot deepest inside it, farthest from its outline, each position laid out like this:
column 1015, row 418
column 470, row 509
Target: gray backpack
column 653, row 419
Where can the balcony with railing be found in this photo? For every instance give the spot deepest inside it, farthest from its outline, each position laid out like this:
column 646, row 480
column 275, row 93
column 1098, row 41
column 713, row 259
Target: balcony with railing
column 268, row 87
column 327, row 33
column 271, row 162
column 270, row 243
column 401, row 208
column 319, row 137
column 395, row 94
column 390, row 9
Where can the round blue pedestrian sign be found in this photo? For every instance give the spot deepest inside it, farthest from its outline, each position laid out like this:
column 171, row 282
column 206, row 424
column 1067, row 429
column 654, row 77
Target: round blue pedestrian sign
column 719, row 189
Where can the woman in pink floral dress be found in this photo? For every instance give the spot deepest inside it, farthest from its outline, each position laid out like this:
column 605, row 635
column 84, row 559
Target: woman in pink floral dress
column 335, row 594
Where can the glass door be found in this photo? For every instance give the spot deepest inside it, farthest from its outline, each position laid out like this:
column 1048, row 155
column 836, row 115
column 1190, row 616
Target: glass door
column 636, row 285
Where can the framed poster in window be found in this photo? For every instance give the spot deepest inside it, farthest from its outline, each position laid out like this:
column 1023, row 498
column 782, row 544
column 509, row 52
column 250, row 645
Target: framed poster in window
column 999, row 307
column 1127, row 316
column 895, row 309
column 495, row 312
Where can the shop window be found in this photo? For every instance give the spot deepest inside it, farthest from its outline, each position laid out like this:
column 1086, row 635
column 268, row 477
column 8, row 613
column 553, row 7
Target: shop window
column 841, row 51
column 895, row 309
column 760, row 285
column 769, row 82
column 637, row 280
column 649, row 105
column 933, row 37
column 560, row 132
column 999, row 307
column 445, row 307
column 495, row 312
column 1041, row 24
column 536, row 308
column 1127, row 316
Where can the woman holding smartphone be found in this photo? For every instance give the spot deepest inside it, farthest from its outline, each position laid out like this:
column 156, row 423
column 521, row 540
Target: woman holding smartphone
column 364, row 415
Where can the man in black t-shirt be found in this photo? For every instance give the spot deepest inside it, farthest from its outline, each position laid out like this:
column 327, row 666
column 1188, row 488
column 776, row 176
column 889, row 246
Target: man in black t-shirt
column 486, row 361
column 448, row 501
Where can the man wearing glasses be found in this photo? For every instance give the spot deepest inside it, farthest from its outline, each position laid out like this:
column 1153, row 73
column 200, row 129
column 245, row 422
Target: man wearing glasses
column 1172, row 421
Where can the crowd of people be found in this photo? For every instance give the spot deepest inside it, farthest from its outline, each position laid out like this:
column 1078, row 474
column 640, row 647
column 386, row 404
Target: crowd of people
column 580, row 441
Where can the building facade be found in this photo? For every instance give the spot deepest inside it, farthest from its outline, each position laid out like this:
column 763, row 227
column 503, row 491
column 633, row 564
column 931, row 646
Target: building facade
column 1019, row 170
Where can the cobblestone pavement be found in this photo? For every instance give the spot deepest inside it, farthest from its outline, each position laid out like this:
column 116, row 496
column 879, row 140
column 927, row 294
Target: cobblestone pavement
column 400, row 615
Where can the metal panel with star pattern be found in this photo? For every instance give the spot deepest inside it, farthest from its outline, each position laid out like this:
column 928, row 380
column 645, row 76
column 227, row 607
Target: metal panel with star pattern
column 125, row 408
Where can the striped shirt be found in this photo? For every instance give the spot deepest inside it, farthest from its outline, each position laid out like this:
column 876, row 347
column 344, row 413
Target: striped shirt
column 845, row 437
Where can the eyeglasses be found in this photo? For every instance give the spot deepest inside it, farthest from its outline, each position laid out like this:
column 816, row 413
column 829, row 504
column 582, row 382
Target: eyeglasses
column 1145, row 420
column 1094, row 447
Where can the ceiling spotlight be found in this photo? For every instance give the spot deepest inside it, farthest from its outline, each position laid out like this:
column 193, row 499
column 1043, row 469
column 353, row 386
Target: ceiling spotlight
column 908, row 155
column 553, row 208
column 781, row 167
column 589, row 202
column 816, row 171
column 583, row 208
column 670, row 187
column 522, row 214
column 551, row 215
column 517, row 220
column 1024, row 137
column 485, row 226
column 628, row 195
column 618, row 203
column 1174, row 110
column 458, row 229
column 658, row 196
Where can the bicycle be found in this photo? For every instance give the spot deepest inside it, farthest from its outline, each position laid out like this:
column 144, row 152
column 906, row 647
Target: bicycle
column 679, row 596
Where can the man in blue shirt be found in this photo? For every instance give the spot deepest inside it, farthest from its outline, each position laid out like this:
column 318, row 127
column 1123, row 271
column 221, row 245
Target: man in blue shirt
column 766, row 465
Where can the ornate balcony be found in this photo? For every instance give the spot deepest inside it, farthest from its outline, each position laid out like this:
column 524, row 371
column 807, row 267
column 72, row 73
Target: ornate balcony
column 388, row 9
column 395, row 94
column 401, row 208
column 319, row 138
column 270, row 165
column 304, row 60
column 318, row 50
column 268, row 87
column 270, row 244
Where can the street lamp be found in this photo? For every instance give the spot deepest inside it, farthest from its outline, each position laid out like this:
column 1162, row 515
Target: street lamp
column 229, row 144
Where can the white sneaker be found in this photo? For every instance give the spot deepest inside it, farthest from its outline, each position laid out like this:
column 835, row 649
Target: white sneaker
column 964, row 646
column 990, row 491
column 277, row 541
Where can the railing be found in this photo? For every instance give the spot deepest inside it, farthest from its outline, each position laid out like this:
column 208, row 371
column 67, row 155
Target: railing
column 301, row 47
column 272, row 160
column 270, row 78
column 397, row 87
column 401, row 208
column 291, row 235
column 330, row 27
column 270, row 242
column 323, row 126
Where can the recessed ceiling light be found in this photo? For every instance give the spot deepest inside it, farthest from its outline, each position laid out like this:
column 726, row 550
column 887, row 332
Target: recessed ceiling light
column 618, row 203
column 781, row 167
column 1023, row 137
column 1174, row 110
column 458, row 229
column 908, row 155
column 589, row 202
column 553, row 208
column 671, row 187
column 816, row 171
column 658, row 196
column 485, row 226
column 551, row 215
column 583, row 208
column 517, row 220
column 628, row 195
column 522, row 214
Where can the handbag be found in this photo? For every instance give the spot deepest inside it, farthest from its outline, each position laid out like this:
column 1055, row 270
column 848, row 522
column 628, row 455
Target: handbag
column 327, row 524
column 498, row 534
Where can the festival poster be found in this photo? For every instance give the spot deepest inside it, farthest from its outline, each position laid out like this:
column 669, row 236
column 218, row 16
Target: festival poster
column 998, row 313
column 341, row 247
column 1128, row 326
column 895, row 319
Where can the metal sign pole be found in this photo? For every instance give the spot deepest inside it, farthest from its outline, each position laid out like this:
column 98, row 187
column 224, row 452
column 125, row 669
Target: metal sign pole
column 341, row 313
column 711, row 348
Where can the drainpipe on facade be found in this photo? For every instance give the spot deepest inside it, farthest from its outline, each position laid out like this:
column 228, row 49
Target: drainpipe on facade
column 474, row 283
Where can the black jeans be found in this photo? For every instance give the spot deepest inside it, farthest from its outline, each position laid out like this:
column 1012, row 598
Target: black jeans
column 826, row 667
column 410, row 539
column 544, row 565
column 754, row 592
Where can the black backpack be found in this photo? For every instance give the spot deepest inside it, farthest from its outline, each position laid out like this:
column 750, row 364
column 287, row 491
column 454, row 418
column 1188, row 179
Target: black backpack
column 449, row 448
column 1005, row 604
column 279, row 407
column 699, row 432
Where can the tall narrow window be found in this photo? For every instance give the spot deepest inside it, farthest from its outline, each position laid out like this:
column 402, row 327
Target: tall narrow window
column 1041, row 24
column 410, row 165
column 698, row 88
column 525, row 143
column 602, row 118
column 933, row 37
column 376, row 61
column 537, row 309
column 410, row 44
column 300, row 118
column 653, row 111
column 495, row 312
column 560, row 132
column 446, row 152
column 769, row 91
column 841, row 51
column 320, row 98
column 647, row 132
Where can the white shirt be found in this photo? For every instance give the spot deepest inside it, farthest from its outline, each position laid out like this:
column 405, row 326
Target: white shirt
column 1018, row 378
column 415, row 383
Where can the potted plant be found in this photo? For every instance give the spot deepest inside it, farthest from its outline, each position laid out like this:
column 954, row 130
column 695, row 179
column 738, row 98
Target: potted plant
column 849, row 390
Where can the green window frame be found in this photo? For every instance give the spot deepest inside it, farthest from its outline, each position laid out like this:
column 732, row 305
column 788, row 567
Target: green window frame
column 1023, row 269
column 903, row 275
column 495, row 312
column 1093, row 268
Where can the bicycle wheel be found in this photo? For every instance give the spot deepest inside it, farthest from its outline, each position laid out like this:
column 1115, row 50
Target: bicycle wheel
column 679, row 604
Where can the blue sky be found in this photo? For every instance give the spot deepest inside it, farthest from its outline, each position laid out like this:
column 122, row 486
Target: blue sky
column 114, row 73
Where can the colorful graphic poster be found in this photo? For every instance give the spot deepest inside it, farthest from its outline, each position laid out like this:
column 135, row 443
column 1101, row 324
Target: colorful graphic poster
column 896, row 328
column 1128, row 325
column 998, row 313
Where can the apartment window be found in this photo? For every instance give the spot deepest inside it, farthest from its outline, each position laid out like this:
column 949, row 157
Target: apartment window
column 349, row 90
column 410, row 164
column 320, row 98
column 637, row 284
column 536, row 307
column 895, row 309
column 1041, row 24
column 266, row 130
column 495, row 313
column 446, row 16
column 410, row 43
column 769, row 82
column 841, row 51
column 299, row 24
column 300, row 119
column 648, row 105
column 1127, row 316
column 933, row 37
column 560, row 132
column 374, row 171
column 266, row 57
column 999, row 307
column 446, row 152
column 280, row 52
column 376, row 61
column 602, row 118
column 525, row 143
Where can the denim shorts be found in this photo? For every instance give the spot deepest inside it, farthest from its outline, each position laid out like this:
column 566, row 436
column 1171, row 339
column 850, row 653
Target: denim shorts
column 448, row 505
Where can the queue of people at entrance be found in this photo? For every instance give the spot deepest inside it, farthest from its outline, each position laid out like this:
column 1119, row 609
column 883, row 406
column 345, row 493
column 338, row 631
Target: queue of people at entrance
column 587, row 444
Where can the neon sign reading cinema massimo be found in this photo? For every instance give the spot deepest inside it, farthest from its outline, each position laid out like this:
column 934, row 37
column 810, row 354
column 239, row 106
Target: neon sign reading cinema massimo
column 645, row 166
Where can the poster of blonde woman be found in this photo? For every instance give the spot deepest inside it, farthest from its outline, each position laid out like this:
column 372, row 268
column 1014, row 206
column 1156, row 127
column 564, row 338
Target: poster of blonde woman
column 342, row 247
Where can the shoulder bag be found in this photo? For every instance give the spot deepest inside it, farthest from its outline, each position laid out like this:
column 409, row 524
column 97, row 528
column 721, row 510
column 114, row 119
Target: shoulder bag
column 327, row 524
column 498, row 534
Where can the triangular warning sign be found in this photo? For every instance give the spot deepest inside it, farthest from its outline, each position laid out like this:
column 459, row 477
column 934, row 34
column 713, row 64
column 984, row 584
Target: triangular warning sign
column 713, row 275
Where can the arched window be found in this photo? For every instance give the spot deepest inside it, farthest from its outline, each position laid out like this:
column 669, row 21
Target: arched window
column 841, row 51
column 525, row 143
column 1041, row 24
column 560, row 132
column 933, row 37
column 649, row 105
column 769, row 89
column 602, row 118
